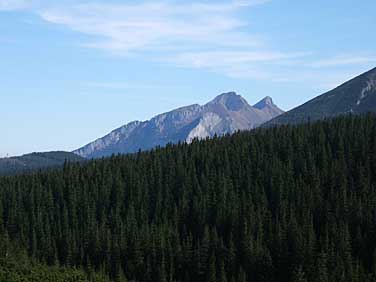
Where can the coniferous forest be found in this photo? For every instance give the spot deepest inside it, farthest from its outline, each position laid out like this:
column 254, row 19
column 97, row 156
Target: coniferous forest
column 291, row 203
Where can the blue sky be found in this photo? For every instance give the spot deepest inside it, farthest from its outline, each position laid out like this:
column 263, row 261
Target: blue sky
column 71, row 71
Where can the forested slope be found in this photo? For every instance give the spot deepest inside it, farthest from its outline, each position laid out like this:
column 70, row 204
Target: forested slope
column 293, row 203
column 36, row 161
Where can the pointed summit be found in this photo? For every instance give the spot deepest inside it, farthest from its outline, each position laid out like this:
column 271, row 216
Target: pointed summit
column 267, row 101
column 225, row 97
column 230, row 100
column 267, row 106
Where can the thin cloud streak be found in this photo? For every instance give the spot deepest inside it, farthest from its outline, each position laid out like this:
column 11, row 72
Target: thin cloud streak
column 134, row 28
column 344, row 60
column 236, row 64
column 207, row 36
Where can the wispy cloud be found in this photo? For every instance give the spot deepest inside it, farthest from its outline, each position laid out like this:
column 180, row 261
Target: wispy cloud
column 223, row 58
column 344, row 60
column 240, row 64
column 209, row 36
column 125, row 28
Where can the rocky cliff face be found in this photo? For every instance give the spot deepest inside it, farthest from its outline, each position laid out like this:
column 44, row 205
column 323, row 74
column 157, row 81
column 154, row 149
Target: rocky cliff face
column 227, row 113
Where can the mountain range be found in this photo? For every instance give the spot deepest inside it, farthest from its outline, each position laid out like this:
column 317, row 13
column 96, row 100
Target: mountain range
column 226, row 113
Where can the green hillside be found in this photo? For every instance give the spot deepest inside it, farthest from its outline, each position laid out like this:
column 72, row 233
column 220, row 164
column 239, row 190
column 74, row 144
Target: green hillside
column 35, row 161
column 293, row 203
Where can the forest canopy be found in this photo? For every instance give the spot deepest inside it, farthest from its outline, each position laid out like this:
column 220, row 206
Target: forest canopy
column 290, row 203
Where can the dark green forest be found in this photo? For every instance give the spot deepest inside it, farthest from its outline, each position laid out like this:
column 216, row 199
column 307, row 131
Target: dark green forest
column 36, row 161
column 290, row 203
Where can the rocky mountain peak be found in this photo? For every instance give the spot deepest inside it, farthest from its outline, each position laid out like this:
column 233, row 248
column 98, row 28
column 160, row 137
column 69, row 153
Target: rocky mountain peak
column 226, row 113
column 267, row 101
column 230, row 100
column 226, row 96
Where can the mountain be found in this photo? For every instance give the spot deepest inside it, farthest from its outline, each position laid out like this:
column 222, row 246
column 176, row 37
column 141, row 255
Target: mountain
column 227, row 113
column 356, row 96
column 34, row 161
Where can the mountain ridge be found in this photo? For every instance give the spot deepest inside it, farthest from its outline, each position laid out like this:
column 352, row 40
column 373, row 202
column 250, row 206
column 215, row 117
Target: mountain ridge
column 356, row 96
column 226, row 113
